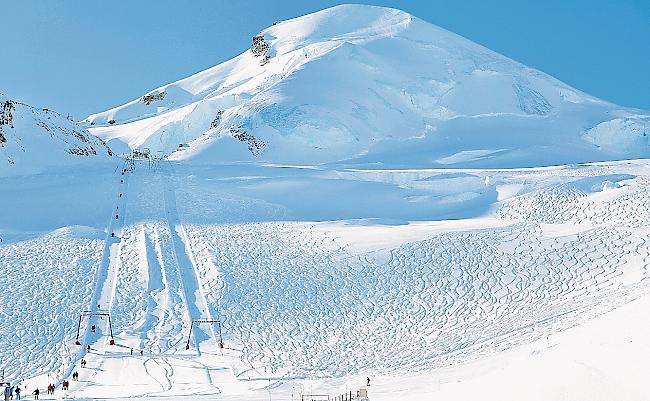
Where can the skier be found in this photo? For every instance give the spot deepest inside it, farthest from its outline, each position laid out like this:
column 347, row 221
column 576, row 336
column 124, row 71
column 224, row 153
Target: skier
column 93, row 328
column 17, row 391
column 368, row 381
column 65, row 385
column 50, row 389
column 131, row 351
column 36, row 393
column 141, row 352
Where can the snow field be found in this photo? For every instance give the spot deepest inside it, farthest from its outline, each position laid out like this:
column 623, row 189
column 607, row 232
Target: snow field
column 46, row 284
column 319, row 303
column 435, row 302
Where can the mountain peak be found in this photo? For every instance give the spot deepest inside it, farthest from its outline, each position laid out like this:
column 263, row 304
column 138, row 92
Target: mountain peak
column 356, row 82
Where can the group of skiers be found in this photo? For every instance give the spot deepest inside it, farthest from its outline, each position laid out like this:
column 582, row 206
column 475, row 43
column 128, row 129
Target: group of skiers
column 14, row 392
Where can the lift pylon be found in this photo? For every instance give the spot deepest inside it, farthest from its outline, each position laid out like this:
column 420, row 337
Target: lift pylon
column 209, row 321
column 90, row 314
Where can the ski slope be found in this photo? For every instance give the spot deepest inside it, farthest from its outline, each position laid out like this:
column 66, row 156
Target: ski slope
column 307, row 302
column 361, row 194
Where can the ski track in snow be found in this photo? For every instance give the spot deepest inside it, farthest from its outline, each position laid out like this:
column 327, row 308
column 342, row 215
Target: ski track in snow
column 149, row 298
column 434, row 302
column 298, row 301
column 45, row 285
column 156, row 292
column 571, row 205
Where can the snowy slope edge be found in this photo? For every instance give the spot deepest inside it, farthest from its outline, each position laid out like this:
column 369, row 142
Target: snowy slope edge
column 31, row 140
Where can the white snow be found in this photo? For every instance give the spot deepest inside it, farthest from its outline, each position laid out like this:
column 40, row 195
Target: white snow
column 33, row 140
column 405, row 219
column 307, row 304
column 378, row 85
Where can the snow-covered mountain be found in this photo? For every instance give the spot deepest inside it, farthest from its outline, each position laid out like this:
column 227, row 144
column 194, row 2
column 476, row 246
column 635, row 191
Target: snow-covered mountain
column 377, row 85
column 32, row 140
column 264, row 280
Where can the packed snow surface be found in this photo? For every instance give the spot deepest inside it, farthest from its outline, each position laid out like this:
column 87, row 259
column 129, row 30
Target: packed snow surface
column 362, row 194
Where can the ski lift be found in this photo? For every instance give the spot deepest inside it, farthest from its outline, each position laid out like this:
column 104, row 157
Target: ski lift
column 209, row 321
column 89, row 314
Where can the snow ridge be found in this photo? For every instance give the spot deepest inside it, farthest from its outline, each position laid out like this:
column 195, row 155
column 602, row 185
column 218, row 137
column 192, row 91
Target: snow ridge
column 33, row 139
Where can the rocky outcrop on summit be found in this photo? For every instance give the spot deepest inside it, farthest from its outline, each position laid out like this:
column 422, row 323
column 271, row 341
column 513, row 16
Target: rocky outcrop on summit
column 260, row 48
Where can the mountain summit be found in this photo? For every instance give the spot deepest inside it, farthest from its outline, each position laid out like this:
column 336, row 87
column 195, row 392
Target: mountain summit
column 366, row 84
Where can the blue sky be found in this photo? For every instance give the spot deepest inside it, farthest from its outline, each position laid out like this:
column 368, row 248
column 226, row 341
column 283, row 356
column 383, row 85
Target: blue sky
column 81, row 56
